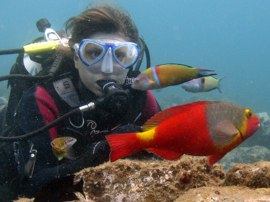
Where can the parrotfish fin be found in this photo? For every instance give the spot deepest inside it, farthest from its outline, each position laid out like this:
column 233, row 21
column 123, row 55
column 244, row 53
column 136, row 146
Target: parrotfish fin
column 123, row 145
column 226, row 131
column 214, row 158
column 227, row 128
column 156, row 119
column 168, row 113
column 206, row 72
column 165, row 153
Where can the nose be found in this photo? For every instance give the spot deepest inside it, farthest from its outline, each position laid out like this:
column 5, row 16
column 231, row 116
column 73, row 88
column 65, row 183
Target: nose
column 107, row 62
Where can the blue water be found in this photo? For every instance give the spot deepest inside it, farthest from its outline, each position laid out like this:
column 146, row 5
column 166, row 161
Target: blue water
column 229, row 36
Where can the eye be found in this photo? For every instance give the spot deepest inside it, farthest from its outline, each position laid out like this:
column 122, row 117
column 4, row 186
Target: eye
column 93, row 53
column 248, row 113
column 120, row 55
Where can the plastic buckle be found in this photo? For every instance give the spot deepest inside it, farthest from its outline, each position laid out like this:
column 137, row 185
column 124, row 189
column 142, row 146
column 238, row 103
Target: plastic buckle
column 30, row 165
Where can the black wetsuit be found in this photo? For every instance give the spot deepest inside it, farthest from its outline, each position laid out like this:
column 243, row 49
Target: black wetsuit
column 40, row 105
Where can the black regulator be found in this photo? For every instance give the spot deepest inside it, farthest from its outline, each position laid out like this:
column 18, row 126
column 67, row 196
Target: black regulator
column 115, row 99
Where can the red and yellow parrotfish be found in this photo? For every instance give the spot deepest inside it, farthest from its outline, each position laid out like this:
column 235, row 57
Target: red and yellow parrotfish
column 165, row 75
column 203, row 128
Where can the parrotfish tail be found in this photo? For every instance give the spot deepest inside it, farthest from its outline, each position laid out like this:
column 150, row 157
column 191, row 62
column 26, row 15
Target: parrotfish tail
column 219, row 89
column 123, row 145
column 206, row 72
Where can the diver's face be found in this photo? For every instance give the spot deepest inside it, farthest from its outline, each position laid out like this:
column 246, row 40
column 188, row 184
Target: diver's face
column 104, row 68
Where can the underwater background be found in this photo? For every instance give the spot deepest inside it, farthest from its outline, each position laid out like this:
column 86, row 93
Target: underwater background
column 231, row 37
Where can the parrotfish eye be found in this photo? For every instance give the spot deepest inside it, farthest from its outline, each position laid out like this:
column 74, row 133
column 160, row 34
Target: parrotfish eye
column 248, row 113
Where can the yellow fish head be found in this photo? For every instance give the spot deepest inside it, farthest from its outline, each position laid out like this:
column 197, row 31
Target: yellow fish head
column 62, row 147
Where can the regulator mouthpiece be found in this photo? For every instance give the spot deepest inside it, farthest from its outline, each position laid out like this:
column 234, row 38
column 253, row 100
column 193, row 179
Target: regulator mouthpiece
column 115, row 98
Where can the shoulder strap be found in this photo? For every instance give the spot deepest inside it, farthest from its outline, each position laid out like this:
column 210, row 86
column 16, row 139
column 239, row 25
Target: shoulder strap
column 67, row 92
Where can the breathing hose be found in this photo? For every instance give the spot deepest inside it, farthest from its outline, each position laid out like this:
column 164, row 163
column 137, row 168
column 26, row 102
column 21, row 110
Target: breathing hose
column 83, row 108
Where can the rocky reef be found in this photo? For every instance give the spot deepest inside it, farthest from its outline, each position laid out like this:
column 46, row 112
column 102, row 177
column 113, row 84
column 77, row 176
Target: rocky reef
column 187, row 179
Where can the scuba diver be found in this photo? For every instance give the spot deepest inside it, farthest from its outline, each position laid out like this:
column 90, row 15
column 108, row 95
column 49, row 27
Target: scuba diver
column 104, row 56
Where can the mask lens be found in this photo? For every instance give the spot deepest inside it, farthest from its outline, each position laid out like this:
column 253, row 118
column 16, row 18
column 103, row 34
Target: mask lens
column 126, row 55
column 91, row 53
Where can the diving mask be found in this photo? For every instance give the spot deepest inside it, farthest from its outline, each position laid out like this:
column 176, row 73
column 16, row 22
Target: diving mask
column 92, row 51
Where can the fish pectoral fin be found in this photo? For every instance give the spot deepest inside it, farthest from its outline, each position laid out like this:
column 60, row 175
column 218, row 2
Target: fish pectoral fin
column 212, row 159
column 70, row 154
column 165, row 153
column 225, row 132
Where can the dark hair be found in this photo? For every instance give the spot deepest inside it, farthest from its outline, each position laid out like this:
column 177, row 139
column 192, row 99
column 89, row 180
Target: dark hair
column 103, row 19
